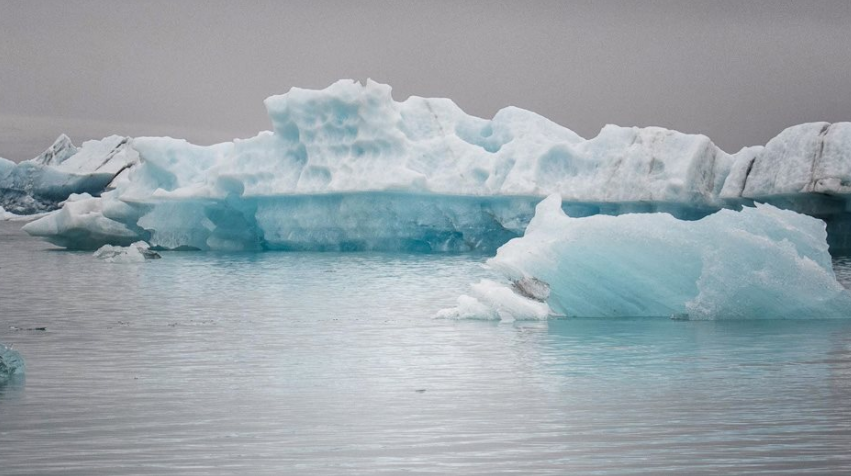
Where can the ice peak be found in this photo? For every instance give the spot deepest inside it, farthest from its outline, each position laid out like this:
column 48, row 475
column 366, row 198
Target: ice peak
column 61, row 149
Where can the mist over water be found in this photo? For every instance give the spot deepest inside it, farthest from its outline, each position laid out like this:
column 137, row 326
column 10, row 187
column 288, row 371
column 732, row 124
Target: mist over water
column 326, row 363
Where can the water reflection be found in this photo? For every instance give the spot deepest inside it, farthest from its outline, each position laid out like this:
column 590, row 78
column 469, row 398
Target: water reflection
column 12, row 388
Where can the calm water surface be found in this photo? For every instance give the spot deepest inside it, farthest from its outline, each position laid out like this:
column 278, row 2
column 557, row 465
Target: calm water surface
column 277, row 363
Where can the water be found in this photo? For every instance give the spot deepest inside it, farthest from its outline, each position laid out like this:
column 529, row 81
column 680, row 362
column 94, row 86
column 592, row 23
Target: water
column 295, row 363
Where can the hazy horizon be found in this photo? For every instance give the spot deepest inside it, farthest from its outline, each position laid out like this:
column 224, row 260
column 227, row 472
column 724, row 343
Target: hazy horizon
column 738, row 72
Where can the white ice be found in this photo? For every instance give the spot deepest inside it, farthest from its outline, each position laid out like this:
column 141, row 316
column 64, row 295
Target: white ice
column 137, row 252
column 807, row 158
column 760, row 262
column 349, row 168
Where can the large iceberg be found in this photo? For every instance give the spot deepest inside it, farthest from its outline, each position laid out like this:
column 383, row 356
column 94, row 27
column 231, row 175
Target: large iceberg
column 349, row 168
column 760, row 262
column 41, row 184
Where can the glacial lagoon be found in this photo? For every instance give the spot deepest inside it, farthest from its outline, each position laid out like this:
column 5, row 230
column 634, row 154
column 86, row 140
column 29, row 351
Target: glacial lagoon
column 330, row 363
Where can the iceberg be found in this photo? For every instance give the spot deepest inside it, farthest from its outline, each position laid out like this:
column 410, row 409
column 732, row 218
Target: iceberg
column 804, row 159
column 757, row 263
column 806, row 168
column 41, row 184
column 11, row 364
column 137, row 252
column 348, row 168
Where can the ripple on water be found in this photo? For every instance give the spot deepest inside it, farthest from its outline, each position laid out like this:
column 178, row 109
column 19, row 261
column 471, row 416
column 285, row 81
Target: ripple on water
column 275, row 363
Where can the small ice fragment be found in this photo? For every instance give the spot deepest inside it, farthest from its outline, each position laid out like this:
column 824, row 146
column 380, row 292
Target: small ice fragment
column 11, row 364
column 137, row 252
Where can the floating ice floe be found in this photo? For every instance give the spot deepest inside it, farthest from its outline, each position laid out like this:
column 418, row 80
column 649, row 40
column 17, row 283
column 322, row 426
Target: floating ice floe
column 135, row 253
column 349, row 168
column 11, row 364
column 758, row 263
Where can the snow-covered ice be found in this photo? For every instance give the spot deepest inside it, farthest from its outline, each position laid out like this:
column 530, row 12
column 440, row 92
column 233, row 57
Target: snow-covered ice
column 761, row 262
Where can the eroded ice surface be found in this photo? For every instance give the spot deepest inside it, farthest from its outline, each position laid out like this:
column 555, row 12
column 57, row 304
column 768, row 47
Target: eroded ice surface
column 349, row 168
column 11, row 364
column 760, row 262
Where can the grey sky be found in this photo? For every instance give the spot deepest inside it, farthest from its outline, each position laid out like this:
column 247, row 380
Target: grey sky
column 738, row 72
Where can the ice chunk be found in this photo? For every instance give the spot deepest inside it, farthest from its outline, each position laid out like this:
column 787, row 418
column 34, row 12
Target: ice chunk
column 806, row 168
column 82, row 223
column 491, row 300
column 41, row 184
column 107, row 157
column 11, row 364
column 137, row 252
column 57, row 153
column 351, row 138
column 349, row 168
column 760, row 262
column 342, row 164
column 807, row 158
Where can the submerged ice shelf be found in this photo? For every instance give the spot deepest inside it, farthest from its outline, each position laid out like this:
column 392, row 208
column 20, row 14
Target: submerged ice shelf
column 349, row 168
column 760, row 262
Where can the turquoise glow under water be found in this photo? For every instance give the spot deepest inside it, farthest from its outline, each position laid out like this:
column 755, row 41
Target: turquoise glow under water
column 324, row 363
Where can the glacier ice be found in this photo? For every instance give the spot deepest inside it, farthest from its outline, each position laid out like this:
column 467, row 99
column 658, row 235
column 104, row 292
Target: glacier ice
column 760, row 262
column 349, row 168
column 807, row 158
column 82, row 218
column 806, row 168
column 11, row 364
column 135, row 253
column 43, row 183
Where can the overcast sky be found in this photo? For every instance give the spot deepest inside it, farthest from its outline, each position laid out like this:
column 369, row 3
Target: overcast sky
column 738, row 72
